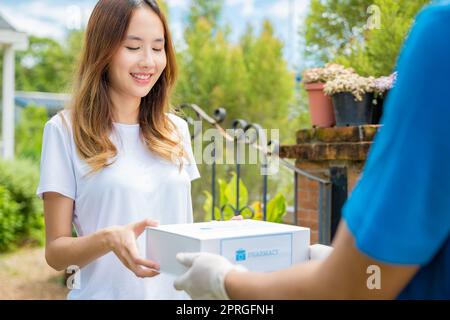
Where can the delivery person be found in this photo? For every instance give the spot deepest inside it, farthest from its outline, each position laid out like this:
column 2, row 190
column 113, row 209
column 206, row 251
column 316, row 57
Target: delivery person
column 393, row 240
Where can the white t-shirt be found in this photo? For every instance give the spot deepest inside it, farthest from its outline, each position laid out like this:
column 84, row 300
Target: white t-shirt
column 137, row 186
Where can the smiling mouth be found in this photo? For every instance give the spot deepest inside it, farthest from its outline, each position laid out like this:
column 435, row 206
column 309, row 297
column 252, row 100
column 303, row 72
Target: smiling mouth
column 141, row 76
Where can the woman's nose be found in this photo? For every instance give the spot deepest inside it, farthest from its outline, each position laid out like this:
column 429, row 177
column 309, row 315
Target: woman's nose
column 147, row 60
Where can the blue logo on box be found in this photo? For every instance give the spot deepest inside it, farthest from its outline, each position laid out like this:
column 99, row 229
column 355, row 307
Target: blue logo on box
column 241, row 255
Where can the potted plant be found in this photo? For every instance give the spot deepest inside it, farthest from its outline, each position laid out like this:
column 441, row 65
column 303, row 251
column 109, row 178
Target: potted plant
column 352, row 97
column 320, row 105
column 382, row 87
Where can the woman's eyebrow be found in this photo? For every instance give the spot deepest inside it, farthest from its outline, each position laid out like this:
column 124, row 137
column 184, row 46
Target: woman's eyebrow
column 131, row 37
column 134, row 38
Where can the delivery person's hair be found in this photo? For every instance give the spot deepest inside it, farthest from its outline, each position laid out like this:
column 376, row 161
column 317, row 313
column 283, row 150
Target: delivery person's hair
column 92, row 113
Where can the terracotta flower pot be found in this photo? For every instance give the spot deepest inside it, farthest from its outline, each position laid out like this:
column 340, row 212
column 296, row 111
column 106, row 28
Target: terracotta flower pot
column 320, row 106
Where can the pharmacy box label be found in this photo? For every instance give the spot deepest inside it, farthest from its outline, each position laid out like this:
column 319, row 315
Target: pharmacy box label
column 274, row 253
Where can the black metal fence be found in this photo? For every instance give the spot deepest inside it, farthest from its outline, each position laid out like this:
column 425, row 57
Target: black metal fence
column 241, row 135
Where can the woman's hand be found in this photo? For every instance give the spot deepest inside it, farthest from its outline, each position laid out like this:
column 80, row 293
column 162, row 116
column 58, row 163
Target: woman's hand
column 122, row 241
column 239, row 217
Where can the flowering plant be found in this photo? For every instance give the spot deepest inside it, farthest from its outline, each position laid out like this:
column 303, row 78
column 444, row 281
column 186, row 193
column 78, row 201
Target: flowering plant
column 353, row 83
column 325, row 74
column 384, row 84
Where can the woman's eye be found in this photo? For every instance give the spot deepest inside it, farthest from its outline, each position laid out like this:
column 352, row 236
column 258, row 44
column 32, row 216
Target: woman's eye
column 157, row 50
column 131, row 48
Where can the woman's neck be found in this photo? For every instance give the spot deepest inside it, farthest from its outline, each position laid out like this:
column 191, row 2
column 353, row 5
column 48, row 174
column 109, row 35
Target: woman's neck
column 125, row 108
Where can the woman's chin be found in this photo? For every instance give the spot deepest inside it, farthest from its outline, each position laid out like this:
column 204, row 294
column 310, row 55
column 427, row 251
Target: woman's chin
column 140, row 93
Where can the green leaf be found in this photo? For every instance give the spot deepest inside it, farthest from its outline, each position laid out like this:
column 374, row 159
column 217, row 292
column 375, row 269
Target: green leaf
column 231, row 192
column 222, row 187
column 207, row 207
column 276, row 208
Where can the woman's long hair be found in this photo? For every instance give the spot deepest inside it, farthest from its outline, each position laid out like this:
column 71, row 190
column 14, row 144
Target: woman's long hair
column 92, row 113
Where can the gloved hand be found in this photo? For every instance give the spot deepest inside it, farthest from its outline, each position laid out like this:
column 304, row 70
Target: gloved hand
column 319, row 251
column 205, row 278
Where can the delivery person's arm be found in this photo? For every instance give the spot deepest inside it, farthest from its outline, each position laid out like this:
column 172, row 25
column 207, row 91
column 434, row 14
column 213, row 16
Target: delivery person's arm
column 343, row 275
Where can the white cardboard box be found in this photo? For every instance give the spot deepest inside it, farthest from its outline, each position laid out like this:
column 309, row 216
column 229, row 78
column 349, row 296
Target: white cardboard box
column 258, row 245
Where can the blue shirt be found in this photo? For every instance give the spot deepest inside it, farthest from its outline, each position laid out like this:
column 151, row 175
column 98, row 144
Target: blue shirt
column 399, row 213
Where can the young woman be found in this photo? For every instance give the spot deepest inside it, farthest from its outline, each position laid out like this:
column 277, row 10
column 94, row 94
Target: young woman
column 116, row 161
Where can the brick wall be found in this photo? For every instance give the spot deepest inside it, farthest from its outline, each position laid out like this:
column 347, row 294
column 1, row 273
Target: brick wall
column 319, row 149
column 308, row 193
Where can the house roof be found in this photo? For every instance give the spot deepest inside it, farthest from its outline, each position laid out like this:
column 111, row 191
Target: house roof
column 4, row 25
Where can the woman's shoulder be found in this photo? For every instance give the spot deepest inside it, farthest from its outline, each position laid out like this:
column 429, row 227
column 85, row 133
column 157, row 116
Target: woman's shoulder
column 61, row 118
column 61, row 121
column 179, row 122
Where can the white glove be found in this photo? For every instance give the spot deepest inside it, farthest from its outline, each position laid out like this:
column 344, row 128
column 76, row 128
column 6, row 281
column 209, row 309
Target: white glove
column 205, row 278
column 319, row 251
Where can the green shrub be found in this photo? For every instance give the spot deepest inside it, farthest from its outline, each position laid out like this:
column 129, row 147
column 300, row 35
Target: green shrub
column 20, row 178
column 10, row 220
column 29, row 133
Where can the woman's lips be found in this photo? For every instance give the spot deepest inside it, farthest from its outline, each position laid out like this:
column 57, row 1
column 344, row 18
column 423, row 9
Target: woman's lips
column 141, row 78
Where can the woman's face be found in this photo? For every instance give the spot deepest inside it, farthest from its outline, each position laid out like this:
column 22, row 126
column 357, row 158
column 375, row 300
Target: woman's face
column 141, row 58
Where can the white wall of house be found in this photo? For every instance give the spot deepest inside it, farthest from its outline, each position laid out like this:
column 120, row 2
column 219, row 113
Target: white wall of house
column 10, row 41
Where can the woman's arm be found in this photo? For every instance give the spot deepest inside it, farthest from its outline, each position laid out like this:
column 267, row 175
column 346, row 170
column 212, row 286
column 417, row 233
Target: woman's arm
column 62, row 250
column 343, row 275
